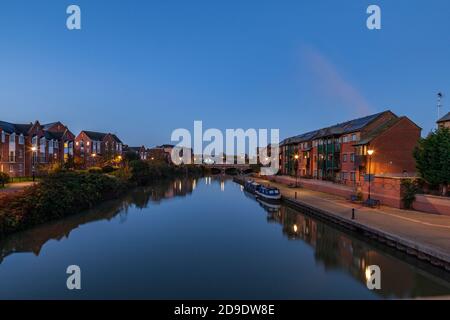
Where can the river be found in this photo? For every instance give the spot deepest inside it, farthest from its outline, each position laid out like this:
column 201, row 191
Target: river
column 204, row 239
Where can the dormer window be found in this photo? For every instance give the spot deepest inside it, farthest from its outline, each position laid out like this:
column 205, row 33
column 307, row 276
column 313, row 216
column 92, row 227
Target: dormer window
column 21, row 139
column 3, row 137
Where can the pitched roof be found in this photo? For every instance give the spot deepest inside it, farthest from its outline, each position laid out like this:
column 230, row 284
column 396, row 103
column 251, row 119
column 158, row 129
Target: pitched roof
column 95, row 135
column 15, row 128
column 378, row 131
column 444, row 118
column 49, row 125
column 337, row 129
column 116, row 138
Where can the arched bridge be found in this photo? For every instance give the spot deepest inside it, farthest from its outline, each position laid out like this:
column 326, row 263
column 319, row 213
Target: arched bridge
column 226, row 168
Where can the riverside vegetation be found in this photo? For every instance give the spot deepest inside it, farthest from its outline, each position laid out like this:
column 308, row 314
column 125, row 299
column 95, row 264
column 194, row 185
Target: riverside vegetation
column 65, row 192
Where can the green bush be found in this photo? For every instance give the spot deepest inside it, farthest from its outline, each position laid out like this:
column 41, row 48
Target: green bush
column 95, row 170
column 108, row 169
column 409, row 191
column 4, row 178
column 57, row 195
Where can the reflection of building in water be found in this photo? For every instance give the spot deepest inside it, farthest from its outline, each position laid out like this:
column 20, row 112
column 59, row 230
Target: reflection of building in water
column 337, row 250
column 33, row 239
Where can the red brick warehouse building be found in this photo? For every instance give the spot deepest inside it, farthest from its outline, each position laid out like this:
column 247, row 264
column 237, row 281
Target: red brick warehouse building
column 340, row 152
column 96, row 148
column 28, row 148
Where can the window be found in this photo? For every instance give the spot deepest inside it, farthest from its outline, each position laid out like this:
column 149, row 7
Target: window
column 12, row 138
column 12, row 156
column 34, row 141
column 352, row 176
column 345, row 139
column 354, row 137
column 56, row 144
column 50, row 147
column 3, row 137
column 21, row 139
column 352, row 157
column 20, row 167
column 344, row 157
column 20, row 154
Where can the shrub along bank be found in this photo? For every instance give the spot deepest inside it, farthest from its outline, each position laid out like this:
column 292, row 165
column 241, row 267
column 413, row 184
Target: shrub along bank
column 64, row 193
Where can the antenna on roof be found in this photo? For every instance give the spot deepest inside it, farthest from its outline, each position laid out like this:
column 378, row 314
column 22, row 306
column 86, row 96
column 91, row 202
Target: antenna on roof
column 440, row 95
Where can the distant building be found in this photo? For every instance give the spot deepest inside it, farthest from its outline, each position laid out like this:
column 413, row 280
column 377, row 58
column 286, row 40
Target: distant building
column 140, row 151
column 28, row 148
column 339, row 153
column 444, row 122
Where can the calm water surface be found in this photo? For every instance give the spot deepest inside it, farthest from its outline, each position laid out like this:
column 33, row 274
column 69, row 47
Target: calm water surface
column 205, row 239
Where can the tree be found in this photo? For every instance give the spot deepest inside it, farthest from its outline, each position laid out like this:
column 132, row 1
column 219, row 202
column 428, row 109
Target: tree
column 433, row 158
column 131, row 156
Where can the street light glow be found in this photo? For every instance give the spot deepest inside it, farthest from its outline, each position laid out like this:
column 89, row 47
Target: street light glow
column 370, row 152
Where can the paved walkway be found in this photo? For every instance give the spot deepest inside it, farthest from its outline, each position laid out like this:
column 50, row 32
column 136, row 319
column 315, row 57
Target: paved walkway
column 429, row 232
column 13, row 187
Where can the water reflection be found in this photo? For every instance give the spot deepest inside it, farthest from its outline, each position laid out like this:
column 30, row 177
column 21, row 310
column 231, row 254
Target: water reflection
column 240, row 256
column 336, row 250
column 33, row 240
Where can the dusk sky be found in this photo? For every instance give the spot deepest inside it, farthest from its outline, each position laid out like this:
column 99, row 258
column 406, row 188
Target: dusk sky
column 144, row 68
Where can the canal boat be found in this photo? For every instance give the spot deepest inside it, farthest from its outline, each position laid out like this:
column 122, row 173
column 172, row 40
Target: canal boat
column 270, row 194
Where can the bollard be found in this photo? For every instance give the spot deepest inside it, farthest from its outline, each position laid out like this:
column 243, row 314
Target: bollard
column 353, row 213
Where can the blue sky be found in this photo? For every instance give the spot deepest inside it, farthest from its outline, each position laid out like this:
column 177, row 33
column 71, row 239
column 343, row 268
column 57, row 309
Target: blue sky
column 143, row 68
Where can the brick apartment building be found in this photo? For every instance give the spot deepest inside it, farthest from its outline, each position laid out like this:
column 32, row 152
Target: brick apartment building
column 158, row 154
column 340, row 152
column 94, row 148
column 28, row 148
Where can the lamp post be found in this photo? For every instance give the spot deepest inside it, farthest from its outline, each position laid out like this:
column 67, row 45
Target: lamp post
column 33, row 169
column 296, row 169
column 93, row 158
column 370, row 152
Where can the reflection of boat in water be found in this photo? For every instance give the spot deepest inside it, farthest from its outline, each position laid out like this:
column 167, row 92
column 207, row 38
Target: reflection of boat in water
column 249, row 195
column 269, row 206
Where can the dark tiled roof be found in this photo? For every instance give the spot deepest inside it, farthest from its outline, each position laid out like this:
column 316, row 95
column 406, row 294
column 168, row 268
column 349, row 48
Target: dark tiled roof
column 337, row 129
column 300, row 138
column 95, row 135
column 444, row 118
column 54, row 135
column 116, row 138
column 166, row 146
column 13, row 127
column 48, row 125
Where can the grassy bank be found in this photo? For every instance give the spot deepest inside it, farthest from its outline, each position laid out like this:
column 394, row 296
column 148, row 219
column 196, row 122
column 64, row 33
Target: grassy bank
column 64, row 193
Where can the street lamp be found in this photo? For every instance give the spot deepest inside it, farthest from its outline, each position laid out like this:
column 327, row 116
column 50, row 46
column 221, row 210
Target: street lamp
column 296, row 169
column 370, row 153
column 33, row 170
